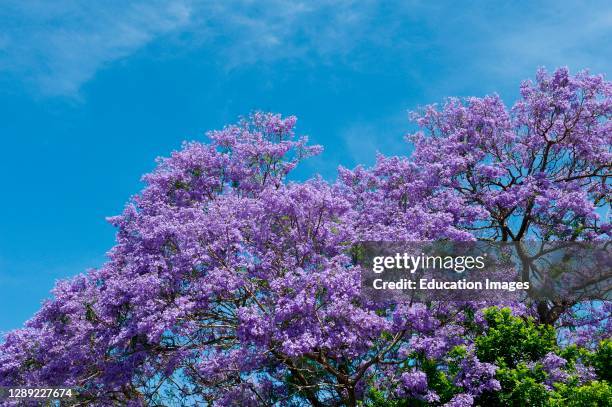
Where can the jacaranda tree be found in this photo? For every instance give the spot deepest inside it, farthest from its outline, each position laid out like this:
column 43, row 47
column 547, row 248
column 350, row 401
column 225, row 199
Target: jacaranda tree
column 229, row 285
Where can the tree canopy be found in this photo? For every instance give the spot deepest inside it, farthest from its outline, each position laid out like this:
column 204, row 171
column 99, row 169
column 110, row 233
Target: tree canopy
column 229, row 285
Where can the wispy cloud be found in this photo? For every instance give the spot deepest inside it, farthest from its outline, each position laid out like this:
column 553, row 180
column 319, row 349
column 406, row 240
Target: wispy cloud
column 560, row 36
column 263, row 31
column 58, row 46
column 505, row 42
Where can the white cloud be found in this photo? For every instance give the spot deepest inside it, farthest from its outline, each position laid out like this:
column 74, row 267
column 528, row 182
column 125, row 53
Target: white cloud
column 559, row 36
column 58, row 46
column 263, row 31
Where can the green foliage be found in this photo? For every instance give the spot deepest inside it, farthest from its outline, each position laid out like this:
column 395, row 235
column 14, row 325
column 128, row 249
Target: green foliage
column 517, row 345
column 601, row 360
column 510, row 340
column 593, row 394
column 377, row 398
column 441, row 381
column 520, row 386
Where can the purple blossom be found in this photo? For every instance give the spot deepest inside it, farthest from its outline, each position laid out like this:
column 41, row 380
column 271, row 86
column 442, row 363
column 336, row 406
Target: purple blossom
column 553, row 366
column 415, row 382
column 238, row 285
column 475, row 376
column 461, row 400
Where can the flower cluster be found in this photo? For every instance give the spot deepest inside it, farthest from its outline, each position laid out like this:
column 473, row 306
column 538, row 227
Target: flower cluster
column 229, row 285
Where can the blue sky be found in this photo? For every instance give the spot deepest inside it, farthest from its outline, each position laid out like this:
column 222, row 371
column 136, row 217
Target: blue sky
column 92, row 92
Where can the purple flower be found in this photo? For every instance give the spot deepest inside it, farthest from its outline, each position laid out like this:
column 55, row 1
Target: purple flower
column 415, row 382
column 237, row 287
column 461, row 400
